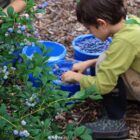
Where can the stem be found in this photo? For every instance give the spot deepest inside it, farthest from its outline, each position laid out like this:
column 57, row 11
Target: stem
column 50, row 104
column 8, row 121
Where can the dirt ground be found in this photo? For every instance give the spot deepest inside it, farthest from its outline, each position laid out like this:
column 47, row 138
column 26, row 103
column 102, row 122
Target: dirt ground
column 60, row 24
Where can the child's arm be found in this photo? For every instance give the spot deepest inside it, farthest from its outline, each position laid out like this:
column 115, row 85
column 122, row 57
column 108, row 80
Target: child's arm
column 82, row 66
column 71, row 77
column 18, row 5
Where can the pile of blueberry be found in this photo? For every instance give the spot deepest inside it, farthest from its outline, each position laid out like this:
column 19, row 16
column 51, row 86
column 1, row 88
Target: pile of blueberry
column 92, row 45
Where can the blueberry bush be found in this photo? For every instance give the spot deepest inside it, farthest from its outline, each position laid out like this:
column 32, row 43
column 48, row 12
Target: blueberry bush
column 28, row 112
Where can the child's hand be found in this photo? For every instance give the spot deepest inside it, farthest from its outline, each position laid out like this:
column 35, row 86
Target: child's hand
column 71, row 77
column 82, row 66
column 79, row 67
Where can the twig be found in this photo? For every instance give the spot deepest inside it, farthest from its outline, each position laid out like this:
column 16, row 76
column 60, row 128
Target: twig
column 82, row 119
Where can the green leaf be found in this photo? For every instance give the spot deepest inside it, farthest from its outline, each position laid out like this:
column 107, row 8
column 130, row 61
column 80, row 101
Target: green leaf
column 37, row 71
column 95, row 97
column 79, row 131
column 79, row 95
column 47, row 123
column 40, row 11
column 10, row 11
column 86, row 137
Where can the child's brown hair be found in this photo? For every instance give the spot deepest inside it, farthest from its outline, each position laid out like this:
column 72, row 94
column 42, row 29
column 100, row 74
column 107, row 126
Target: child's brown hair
column 88, row 11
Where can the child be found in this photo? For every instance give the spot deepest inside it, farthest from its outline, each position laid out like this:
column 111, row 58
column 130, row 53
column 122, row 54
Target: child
column 105, row 18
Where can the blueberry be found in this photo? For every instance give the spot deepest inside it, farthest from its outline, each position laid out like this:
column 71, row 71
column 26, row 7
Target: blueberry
column 40, row 6
column 21, row 133
column 23, row 28
column 45, row 4
column 23, row 122
column 92, row 45
column 26, row 133
column 10, row 30
column 15, row 132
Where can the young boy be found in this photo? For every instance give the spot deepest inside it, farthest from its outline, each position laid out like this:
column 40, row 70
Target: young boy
column 105, row 18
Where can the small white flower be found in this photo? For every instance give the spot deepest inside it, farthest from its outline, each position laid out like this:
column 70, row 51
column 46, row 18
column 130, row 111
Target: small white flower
column 23, row 122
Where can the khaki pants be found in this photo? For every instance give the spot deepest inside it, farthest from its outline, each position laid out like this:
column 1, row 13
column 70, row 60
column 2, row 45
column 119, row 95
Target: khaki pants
column 131, row 80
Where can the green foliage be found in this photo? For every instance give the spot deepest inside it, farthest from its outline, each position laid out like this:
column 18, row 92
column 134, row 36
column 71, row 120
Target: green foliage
column 88, row 92
column 28, row 112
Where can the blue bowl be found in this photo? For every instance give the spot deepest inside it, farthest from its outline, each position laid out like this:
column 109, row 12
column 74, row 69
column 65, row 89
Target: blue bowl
column 89, row 47
column 59, row 68
column 57, row 51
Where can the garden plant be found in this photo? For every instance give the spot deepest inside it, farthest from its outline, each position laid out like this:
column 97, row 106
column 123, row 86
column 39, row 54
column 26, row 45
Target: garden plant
column 28, row 112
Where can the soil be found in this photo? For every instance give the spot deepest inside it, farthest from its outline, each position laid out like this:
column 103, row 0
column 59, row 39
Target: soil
column 59, row 24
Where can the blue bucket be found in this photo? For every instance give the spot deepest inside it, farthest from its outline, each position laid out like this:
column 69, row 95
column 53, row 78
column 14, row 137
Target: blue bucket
column 58, row 69
column 57, row 51
column 89, row 47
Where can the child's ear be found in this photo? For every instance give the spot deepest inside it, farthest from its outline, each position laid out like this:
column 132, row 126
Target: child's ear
column 102, row 22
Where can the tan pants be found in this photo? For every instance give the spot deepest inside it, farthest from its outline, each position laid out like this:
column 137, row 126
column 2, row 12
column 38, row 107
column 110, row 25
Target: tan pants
column 131, row 80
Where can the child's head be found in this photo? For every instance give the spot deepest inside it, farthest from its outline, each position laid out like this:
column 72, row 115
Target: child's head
column 95, row 12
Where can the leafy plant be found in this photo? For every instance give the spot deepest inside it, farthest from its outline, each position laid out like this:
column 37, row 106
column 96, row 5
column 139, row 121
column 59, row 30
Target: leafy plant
column 28, row 112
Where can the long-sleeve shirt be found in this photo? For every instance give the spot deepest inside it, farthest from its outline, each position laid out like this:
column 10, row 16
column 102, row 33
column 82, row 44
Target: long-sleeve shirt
column 122, row 54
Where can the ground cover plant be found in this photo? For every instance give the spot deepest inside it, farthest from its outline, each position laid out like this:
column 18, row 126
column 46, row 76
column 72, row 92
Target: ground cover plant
column 28, row 112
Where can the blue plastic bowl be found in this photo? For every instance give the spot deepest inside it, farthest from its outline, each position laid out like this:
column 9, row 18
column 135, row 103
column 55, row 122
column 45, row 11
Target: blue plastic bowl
column 83, row 55
column 57, row 51
column 58, row 69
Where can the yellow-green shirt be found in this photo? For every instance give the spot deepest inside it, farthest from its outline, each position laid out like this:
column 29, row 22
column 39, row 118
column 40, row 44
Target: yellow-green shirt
column 122, row 54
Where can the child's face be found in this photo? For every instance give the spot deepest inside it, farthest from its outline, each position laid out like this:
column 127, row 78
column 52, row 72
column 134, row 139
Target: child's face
column 102, row 32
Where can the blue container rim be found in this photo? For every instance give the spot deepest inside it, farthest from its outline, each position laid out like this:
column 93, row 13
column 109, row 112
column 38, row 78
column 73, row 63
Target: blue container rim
column 51, row 58
column 80, row 37
column 59, row 82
